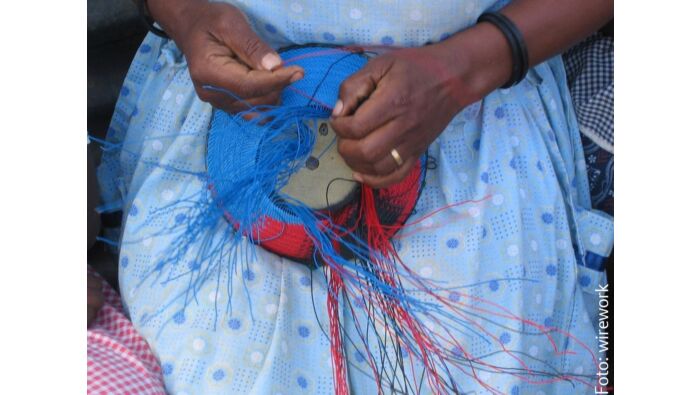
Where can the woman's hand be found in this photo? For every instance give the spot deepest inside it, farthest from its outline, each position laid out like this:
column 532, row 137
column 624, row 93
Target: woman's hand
column 95, row 300
column 222, row 50
column 401, row 100
column 404, row 99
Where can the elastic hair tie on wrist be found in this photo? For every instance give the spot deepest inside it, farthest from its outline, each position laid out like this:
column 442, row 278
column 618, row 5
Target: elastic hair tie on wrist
column 145, row 15
column 516, row 42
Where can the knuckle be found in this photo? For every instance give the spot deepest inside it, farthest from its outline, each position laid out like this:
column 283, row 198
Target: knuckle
column 345, row 88
column 357, row 130
column 243, row 88
column 345, row 128
column 340, row 130
column 251, row 45
column 343, row 149
column 222, row 21
column 358, row 127
column 378, row 170
column 368, row 153
column 203, row 95
column 351, row 85
column 247, row 88
column 230, row 13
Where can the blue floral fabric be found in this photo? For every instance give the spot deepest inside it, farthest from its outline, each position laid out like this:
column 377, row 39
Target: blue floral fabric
column 522, row 245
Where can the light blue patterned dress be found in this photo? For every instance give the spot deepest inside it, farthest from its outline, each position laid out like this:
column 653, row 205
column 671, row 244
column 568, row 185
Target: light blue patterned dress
column 531, row 247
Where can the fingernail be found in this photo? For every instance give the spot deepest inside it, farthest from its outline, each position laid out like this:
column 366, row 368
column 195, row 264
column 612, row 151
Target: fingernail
column 358, row 177
column 271, row 60
column 338, row 108
column 297, row 76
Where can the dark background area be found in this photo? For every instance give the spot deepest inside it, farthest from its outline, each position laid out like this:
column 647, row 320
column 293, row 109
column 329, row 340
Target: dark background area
column 114, row 32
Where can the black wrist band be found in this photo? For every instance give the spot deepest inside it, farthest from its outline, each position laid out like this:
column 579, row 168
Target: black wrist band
column 516, row 41
column 148, row 20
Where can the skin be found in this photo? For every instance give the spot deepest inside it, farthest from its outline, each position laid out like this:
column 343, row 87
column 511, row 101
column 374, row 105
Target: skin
column 222, row 50
column 404, row 99
column 400, row 100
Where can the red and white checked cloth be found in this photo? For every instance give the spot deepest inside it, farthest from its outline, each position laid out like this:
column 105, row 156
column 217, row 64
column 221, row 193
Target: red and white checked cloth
column 119, row 360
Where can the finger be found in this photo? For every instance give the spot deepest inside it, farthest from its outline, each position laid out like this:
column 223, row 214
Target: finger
column 233, row 106
column 247, row 83
column 248, row 46
column 381, row 107
column 388, row 164
column 388, row 180
column 364, row 155
column 353, row 91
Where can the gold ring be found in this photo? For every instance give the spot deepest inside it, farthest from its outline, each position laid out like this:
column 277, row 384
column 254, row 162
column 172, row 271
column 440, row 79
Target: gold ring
column 397, row 157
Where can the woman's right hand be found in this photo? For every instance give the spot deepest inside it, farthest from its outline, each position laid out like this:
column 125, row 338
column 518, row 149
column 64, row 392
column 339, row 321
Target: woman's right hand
column 222, row 50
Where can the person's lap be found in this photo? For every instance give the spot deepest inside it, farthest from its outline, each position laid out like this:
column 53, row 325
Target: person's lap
column 518, row 150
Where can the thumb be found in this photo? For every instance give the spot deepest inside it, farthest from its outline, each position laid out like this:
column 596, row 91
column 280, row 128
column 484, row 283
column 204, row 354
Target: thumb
column 353, row 91
column 252, row 50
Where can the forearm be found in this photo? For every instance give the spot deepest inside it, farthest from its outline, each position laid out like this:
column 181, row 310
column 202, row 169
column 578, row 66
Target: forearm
column 171, row 15
column 551, row 26
column 548, row 27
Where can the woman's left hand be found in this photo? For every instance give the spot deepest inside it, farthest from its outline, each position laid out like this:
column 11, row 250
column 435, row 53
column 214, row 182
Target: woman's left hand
column 404, row 99
column 401, row 100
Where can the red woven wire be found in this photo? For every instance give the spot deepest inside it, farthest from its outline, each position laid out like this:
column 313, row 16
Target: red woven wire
column 394, row 205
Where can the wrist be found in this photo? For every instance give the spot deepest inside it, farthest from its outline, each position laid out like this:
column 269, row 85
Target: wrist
column 481, row 58
column 173, row 15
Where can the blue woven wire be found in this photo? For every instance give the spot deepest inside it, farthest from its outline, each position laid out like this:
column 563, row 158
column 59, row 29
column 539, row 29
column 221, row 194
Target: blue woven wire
column 325, row 69
column 249, row 162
